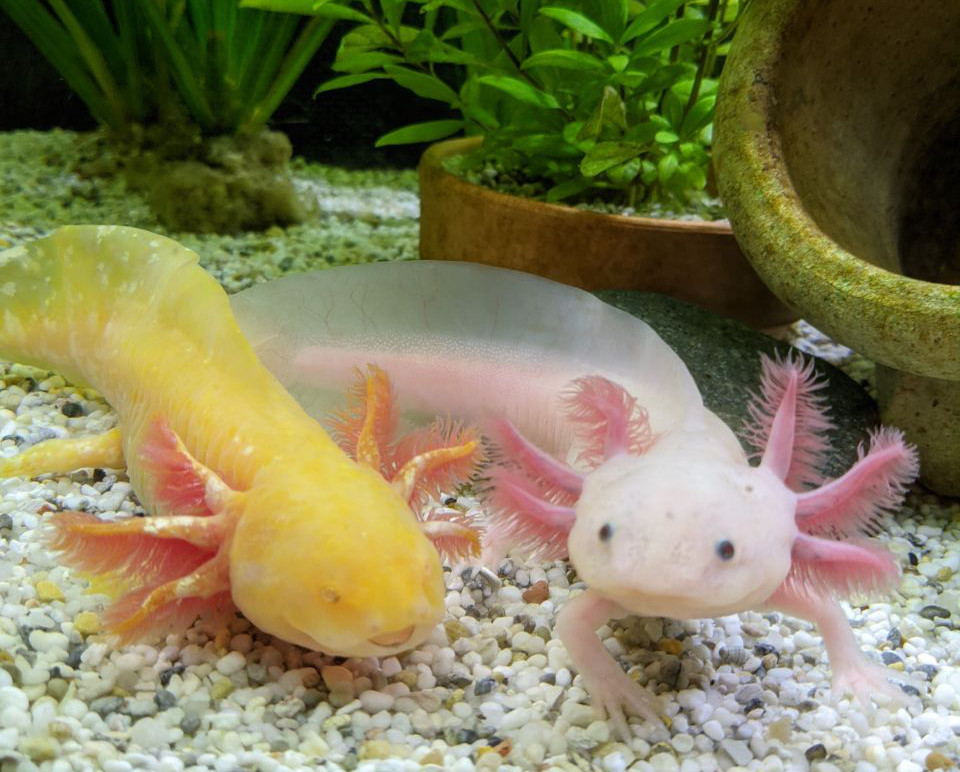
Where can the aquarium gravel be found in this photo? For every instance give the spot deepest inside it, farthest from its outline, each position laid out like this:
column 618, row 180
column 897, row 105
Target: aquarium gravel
column 492, row 688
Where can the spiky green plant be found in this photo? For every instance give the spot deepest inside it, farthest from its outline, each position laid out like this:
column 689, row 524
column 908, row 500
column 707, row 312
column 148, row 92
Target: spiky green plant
column 127, row 59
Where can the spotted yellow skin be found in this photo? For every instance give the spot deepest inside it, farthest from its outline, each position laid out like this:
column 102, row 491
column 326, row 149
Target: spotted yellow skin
column 323, row 552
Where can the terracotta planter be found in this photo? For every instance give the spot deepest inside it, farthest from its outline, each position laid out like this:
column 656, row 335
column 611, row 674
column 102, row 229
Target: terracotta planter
column 836, row 151
column 695, row 261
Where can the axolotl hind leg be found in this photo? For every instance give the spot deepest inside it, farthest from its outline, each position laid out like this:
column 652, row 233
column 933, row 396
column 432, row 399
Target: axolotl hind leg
column 67, row 454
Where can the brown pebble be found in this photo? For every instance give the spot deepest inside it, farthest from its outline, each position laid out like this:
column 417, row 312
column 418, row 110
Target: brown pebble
column 936, row 760
column 503, row 748
column 671, row 646
column 537, row 592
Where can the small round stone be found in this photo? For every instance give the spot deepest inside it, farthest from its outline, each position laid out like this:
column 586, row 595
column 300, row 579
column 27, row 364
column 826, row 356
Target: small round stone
column 231, row 663
column 86, row 623
column 48, row 591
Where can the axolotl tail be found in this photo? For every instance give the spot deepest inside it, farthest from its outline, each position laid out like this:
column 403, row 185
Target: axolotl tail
column 68, row 299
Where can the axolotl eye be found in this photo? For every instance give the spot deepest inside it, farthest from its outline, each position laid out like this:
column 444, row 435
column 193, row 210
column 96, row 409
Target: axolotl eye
column 725, row 550
column 606, row 532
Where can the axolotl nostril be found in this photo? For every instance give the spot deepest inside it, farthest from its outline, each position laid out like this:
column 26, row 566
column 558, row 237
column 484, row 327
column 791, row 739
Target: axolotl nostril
column 608, row 453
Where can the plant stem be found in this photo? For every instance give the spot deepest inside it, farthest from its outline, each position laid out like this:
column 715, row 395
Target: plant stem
column 503, row 44
column 705, row 50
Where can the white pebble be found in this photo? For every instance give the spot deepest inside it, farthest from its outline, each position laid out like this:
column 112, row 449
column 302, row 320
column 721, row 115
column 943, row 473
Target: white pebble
column 231, row 663
column 714, row 730
column 373, row 701
column 944, row 695
column 682, row 743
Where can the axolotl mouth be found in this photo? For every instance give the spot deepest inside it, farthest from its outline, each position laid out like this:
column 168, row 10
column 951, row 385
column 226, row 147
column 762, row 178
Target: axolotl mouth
column 396, row 638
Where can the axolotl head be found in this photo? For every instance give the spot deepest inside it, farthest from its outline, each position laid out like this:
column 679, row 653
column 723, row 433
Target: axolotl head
column 344, row 569
column 681, row 536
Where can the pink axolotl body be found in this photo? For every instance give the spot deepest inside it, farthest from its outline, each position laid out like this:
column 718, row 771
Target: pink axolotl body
column 609, row 454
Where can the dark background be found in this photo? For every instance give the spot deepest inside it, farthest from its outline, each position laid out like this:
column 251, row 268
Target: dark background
column 338, row 127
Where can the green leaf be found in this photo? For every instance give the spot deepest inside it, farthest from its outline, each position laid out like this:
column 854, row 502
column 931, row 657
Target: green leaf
column 697, row 178
column 420, row 132
column 649, row 18
column 564, row 58
column 362, row 61
column 463, row 28
column 618, row 62
column 345, row 81
column 610, row 111
column 566, row 189
column 699, row 116
column 393, row 12
column 606, row 155
column 335, row 11
column 675, row 33
column 666, row 168
column 643, row 132
column 666, row 137
column 520, row 90
column 463, row 6
column 577, row 22
column 304, row 7
column 421, row 84
column 662, row 79
column 427, row 47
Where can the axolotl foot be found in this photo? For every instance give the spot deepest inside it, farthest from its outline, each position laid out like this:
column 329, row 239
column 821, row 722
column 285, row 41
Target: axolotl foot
column 867, row 681
column 613, row 692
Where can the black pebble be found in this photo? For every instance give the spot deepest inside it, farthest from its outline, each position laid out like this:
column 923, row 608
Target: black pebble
column 190, row 725
column 106, row 705
column 72, row 409
column 914, row 560
column 99, row 475
column 73, row 658
column 934, row 612
column 548, row 678
column 467, row 736
column 6, row 523
column 755, row 703
column 895, row 638
column 484, row 686
column 762, row 649
column 815, row 752
column 930, row 670
column 165, row 699
column 913, row 691
column 889, row 658
column 169, row 673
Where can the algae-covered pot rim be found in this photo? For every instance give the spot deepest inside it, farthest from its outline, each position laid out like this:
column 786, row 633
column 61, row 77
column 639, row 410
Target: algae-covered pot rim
column 902, row 322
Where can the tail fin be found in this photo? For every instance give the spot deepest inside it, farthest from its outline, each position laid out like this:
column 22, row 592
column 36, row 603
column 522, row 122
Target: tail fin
column 88, row 283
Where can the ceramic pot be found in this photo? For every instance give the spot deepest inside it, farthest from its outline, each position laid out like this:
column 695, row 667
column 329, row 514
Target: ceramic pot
column 695, row 261
column 837, row 132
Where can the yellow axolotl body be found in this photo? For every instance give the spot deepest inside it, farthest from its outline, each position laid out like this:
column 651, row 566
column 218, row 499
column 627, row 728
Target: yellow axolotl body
column 254, row 501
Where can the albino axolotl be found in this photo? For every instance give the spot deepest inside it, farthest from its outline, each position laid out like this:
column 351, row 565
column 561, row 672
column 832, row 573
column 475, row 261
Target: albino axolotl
column 254, row 503
column 608, row 451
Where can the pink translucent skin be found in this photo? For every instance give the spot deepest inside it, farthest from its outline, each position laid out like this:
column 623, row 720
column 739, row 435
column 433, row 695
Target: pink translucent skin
column 465, row 339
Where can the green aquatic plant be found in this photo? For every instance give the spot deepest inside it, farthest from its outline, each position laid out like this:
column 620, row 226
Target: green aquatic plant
column 575, row 96
column 129, row 60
